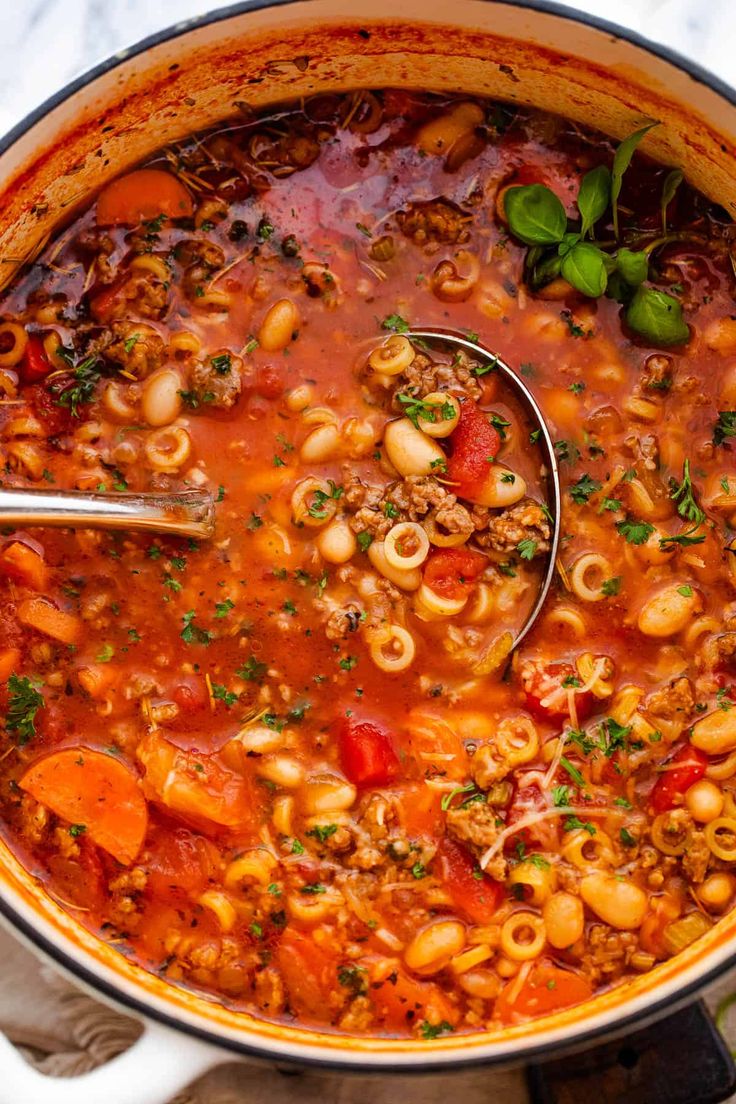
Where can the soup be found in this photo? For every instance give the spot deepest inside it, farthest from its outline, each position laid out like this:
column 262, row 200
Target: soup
column 300, row 767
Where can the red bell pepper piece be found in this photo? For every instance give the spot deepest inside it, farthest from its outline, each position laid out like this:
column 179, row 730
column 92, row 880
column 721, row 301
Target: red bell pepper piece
column 35, row 365
column 685, row 767
column 366, row 753
column 473, row 893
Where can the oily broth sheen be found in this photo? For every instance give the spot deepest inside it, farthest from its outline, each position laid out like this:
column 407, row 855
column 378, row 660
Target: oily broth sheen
column 383, row 869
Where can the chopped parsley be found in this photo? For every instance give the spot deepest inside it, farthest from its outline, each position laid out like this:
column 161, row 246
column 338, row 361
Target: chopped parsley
column 24, row 702
column 222, row 364
column 561, row 796
column 395, row 323
column 725, row 426
column 322, row 832
column 353, row 977
column 572, row 823
column 572, row 771
column 635, row 532
column 193, row 634
column 319, row 498
column 683, row 539
column 527, row 548
column 684, row 496
column 415, row 409
column 611, row 587
column 252, row 670
column 581, row 491
column 221, row 693
column 433, row 1031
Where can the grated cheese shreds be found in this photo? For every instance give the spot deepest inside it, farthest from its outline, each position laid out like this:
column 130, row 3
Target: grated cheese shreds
column 389, row 939
column 442, row 785
column 518, row 982
column 536, row 818
column 554, row 765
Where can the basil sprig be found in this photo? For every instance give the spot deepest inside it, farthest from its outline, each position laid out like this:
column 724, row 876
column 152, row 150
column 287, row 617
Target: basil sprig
column 560, row 248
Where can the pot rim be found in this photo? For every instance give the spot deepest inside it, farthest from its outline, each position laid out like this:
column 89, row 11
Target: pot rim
column 432, row 1061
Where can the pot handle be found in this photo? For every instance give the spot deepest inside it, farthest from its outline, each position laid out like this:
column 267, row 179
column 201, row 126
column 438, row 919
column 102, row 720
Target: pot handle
column 682, row 1059
column 158, row 1064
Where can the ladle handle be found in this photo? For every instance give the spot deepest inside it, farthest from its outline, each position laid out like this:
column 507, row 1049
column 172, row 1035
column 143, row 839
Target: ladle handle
column 182, row 513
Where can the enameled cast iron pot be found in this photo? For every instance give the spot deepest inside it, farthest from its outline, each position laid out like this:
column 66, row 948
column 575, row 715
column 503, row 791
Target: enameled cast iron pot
column 194, row 76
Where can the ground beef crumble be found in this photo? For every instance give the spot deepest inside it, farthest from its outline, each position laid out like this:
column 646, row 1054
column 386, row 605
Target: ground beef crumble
column 505, row 531
column 677, row 698
column 437, row 220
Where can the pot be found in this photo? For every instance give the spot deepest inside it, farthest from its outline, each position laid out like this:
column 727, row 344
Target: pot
column 192, row 77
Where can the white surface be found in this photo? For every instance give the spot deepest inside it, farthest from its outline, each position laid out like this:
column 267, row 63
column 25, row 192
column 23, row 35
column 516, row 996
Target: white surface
column 43, row 43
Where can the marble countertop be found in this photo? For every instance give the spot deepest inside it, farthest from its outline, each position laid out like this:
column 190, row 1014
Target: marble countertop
column 43, row 43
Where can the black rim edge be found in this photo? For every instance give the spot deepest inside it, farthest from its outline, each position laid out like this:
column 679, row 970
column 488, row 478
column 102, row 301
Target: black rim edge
column 371, row 1063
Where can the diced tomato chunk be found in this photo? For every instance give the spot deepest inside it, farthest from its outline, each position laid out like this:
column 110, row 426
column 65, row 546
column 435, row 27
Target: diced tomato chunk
column 309, row 972
column 685, row 767
column 547, row 989
column 472, row 442
column 35, row 365
column 178, row 861
column 473, row 893
column 451, row 572
column 191, row 696
column 546, row 695
column 366, row 753
column 270, row 381
column 401, row 1002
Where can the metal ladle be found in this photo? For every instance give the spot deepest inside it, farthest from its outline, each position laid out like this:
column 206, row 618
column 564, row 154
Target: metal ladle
column 191, row 513
column 180, row 514
column 451, row 339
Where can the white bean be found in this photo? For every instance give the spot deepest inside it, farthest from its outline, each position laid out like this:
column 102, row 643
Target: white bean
column 410, row 451
column 336, row 543
column 161, row 401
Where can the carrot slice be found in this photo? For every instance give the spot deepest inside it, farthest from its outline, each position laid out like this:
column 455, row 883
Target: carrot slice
column 39, row 614
column 21, row 563
column 141, row 195
column 9, row 661
column 95, row 790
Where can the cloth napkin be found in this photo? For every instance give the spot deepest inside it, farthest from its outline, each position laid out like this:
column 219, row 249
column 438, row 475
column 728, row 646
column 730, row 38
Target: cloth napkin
column 64, row 1032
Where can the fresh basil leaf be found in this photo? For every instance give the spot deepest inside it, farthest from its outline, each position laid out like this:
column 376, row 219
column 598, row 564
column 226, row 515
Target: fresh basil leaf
column 570, row 239
column 585, row 268
column 547, row 269
column 593, row 197
column 618, row 289
column 633, row 266
column 535, row 214
column 657, row 316
column 672, row 182
column 621, row 162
